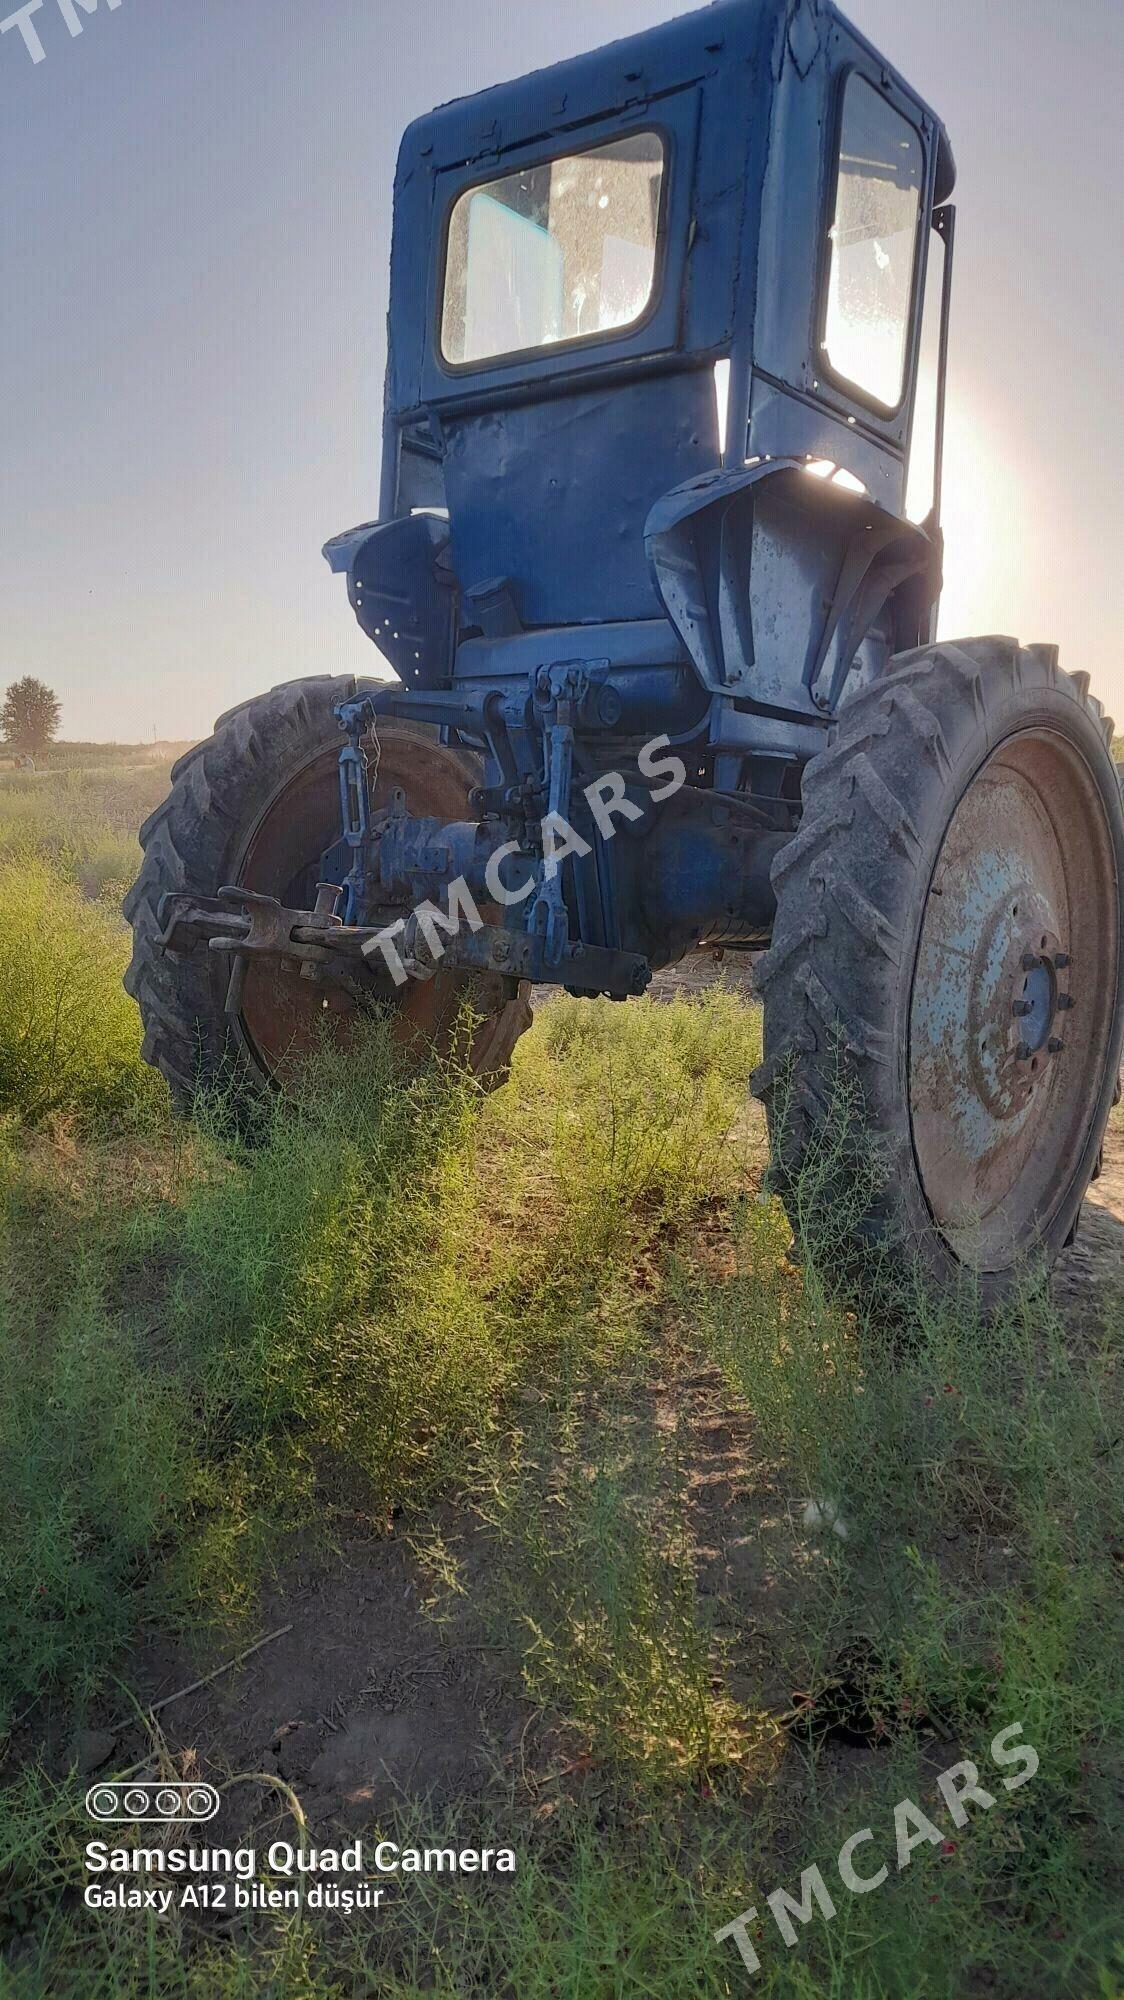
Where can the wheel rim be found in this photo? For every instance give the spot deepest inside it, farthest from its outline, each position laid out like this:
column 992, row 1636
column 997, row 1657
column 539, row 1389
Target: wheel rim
column 282, row 1016
column 1013, row 999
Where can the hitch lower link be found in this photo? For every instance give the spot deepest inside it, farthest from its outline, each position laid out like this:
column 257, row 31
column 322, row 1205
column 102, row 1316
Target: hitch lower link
column 369, row 963
column 243, row 926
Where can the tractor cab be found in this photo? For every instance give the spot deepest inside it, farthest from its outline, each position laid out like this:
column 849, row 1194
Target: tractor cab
column 635, row 300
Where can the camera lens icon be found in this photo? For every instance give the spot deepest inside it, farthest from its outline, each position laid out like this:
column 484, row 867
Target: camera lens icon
column 160, row 1802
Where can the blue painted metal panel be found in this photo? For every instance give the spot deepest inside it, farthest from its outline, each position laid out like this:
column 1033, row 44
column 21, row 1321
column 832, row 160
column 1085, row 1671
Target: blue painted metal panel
column 555, row 494
column 783, row 425
column 632, row 643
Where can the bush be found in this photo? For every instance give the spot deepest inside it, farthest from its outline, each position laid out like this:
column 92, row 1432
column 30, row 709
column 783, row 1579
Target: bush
column 69, row 1034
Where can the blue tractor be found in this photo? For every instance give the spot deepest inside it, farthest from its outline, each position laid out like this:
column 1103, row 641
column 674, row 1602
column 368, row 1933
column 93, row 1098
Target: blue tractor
column 657, row 570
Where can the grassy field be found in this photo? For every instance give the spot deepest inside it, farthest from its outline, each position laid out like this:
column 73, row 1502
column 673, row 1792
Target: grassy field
column 539, row 1373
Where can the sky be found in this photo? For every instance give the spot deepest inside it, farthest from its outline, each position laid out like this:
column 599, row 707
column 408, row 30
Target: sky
column 194, row 240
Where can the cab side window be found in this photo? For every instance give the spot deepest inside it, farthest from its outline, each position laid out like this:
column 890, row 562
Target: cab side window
column 872, row 246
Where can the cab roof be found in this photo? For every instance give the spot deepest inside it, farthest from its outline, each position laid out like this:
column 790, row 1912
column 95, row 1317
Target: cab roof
column 634, row 71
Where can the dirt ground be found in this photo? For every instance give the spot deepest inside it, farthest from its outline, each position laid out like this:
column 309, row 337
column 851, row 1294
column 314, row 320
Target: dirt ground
column 362, row 1700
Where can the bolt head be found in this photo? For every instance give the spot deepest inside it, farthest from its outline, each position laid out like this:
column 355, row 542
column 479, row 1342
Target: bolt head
column 1029, row 961
column 1055, row 1046
column 1061, row 960
column 1065, row 1002
column 1024, row 1052
column 1022, row 1007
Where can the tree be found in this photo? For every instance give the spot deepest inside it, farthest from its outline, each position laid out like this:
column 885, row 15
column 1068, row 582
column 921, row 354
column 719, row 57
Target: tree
column 30, row 715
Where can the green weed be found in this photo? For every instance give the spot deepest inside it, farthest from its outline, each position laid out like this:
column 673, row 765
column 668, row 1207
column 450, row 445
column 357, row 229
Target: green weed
column 598, row 1584
column 92, row 1443
column 69, row 1035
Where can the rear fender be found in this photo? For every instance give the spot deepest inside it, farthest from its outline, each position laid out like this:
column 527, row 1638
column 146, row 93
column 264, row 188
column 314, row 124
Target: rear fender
column 773, row 579
column 403, row 592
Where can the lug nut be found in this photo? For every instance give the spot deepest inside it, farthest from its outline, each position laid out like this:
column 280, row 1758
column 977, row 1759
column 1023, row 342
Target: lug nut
column 1029, row 961
column 1022, row 1007
column 1055, row 1046
column 1065, row 1002
column 1024, row 1052
column 1061, row 960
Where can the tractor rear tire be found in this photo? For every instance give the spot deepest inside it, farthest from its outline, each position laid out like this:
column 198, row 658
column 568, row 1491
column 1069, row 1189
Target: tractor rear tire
column 257, row 805
column 943, row 990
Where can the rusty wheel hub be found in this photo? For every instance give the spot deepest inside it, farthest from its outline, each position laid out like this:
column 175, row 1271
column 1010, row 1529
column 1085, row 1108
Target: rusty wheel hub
column 1011, row 1007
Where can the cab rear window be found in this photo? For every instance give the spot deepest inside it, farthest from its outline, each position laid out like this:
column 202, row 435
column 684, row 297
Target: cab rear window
column 557, row 253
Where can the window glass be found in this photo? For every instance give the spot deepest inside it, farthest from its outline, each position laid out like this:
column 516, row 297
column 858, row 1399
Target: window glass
column 564, row 251
column 873, row 240
column 919, row 493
